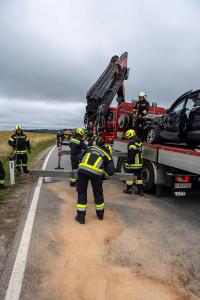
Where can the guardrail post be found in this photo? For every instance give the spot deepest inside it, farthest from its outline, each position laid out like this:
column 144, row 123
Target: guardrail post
column 12, row 171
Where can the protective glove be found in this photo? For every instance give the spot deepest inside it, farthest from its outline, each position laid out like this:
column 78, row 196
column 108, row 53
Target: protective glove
column 29, row 151
column 144, row 112
column 105, row 176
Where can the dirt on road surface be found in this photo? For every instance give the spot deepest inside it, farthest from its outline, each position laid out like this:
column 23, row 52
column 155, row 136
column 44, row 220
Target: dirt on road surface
column 101, row 259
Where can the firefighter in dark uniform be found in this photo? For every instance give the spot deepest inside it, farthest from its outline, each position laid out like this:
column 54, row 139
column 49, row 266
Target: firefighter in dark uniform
column 96, row 164
column 2, row 176
column 20, row 143
column 90, row 134
column 140, row 112
column 134, row 162
column 77, row 145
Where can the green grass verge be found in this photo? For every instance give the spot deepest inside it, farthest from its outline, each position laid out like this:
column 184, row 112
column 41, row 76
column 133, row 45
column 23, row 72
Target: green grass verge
column 4, row 194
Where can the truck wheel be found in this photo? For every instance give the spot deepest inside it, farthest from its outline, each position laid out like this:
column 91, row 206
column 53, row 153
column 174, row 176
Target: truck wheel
column 121, row 165
column 148, row 177
column 153, row 135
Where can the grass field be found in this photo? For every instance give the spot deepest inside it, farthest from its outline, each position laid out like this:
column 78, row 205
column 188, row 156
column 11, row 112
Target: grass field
column 36, row 139
column 39, row 142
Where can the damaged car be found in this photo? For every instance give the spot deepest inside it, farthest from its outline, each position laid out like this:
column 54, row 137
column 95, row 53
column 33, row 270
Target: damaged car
column 180, row 123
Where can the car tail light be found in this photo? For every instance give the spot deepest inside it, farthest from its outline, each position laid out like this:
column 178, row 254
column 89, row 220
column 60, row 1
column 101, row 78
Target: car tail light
column 185, row 179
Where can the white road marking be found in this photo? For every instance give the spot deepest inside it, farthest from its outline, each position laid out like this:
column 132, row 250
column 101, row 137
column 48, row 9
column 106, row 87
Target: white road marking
column 15, row 283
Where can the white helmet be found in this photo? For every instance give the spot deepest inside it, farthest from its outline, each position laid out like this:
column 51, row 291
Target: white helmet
column 142, row 94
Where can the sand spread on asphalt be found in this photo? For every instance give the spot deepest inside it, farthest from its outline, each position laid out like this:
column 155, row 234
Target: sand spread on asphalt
column 82, row 267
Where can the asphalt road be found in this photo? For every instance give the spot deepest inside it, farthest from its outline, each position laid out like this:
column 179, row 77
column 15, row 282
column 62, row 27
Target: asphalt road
column 146, row 248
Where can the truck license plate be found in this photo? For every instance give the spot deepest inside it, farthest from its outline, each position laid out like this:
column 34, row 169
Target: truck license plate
column 182, row 185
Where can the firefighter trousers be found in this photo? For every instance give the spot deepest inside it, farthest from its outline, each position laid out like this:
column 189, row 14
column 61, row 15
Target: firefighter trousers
column 22, row 159
column 74, row 164
column 2, row 174
column 97, row 187
column 139, row 126
column 138, row 182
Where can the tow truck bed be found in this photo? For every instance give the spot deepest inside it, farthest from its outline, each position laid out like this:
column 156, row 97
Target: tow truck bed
column 172, row 166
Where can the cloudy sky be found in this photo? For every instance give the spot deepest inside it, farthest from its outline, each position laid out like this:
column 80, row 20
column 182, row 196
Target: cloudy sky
column 52, row 51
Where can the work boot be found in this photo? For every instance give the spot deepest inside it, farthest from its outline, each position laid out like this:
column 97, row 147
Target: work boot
column 2, row 187
column 127, row 191
column 140, row 193
column 72, row 184
column 80, row 220
column 100, row 215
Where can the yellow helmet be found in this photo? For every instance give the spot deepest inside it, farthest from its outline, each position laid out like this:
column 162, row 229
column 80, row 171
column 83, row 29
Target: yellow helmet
column 130, row 133
column 18, row 126
column 109, row 147
column 80, row 131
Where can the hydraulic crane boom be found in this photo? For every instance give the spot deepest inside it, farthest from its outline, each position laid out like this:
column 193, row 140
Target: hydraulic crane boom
column 102, row 93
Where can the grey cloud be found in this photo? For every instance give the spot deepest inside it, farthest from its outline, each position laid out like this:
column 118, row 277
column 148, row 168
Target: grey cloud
column 52, row 51
column 41, row 115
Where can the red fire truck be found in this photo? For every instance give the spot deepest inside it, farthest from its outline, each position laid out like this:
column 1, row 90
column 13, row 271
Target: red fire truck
column 112, row 122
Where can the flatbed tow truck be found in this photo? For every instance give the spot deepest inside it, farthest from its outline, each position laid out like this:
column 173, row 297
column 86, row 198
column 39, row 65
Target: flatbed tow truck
column 174, row 167
column 165, row 166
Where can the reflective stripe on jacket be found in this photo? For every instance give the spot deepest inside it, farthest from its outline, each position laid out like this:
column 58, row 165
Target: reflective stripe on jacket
column 20, row 142
column 76, row 145
column 96, row 160
column 135, row 158
column 142, row 107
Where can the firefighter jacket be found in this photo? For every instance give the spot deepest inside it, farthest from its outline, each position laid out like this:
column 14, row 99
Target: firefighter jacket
column 89, row 134
column 134, row 159
column 97, row 161
column 77, row 145
column 2, row 173
column 142, row 107
column 20, row 142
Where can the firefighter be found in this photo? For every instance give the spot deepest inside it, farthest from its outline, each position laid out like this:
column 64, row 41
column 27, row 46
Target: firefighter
column 77, row 145
column 134, row 162
column 90, row 134
column 20, row 143
column 2, row 176
column 140, row 112
column 96, row 164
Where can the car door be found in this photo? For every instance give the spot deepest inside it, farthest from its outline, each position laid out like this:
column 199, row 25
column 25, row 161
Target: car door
column 193, row 112
column 172, row 121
